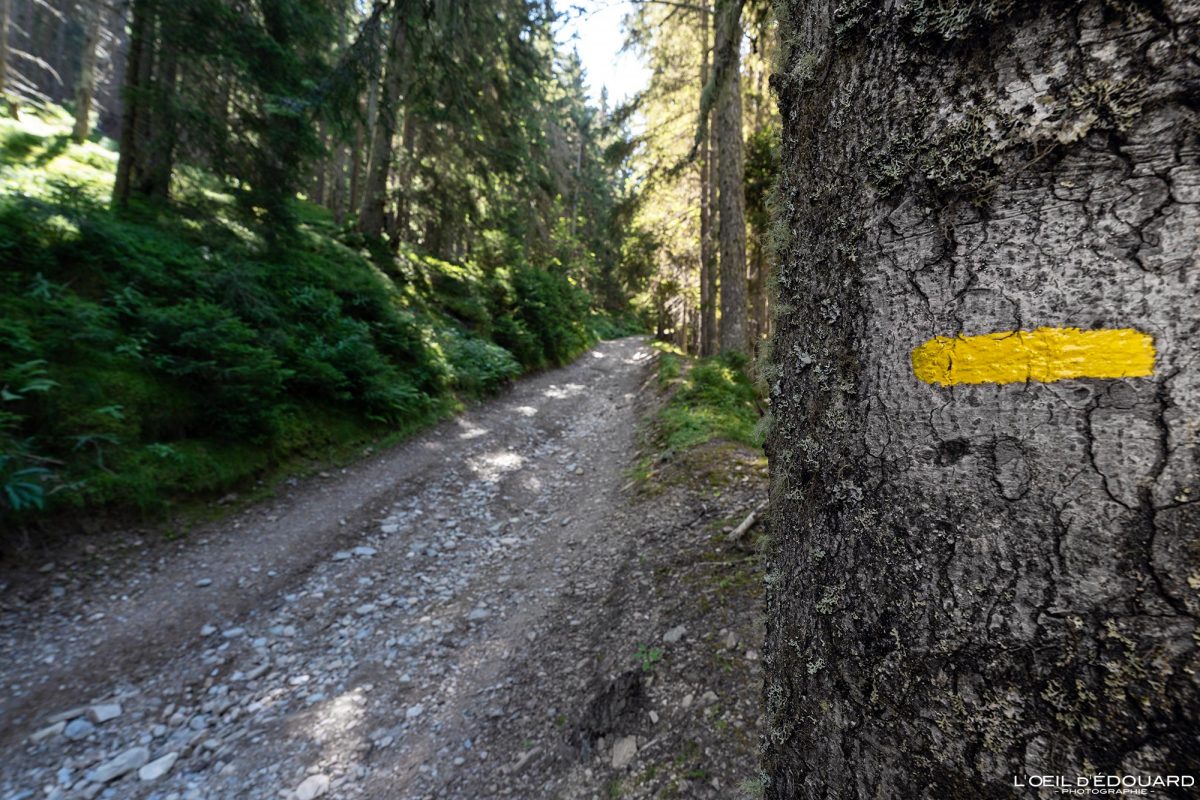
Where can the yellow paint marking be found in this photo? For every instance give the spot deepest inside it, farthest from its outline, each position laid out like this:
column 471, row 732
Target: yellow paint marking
column 1045, row 354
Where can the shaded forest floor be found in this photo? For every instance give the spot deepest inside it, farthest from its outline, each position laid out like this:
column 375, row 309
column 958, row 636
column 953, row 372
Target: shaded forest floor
column 533, row 600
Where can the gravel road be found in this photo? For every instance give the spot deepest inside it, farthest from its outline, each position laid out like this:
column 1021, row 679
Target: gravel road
column 377, row 632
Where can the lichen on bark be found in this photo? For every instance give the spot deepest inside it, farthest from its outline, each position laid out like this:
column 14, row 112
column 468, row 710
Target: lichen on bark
column 995, row 580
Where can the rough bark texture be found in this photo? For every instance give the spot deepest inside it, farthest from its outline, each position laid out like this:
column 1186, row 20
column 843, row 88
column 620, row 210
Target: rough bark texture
column 85, row 84
column 980, row 582
column 708, row 261
column 373, row 216
column 731, row 174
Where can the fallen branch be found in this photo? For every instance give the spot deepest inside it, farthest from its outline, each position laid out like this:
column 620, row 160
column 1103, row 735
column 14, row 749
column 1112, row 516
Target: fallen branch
column 736, row 535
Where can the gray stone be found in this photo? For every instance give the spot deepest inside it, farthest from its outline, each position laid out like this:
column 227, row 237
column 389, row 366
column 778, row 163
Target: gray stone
column 158, row 768
column 623, row 752
column 523, row 759
column 65, row 716
column 79, row 729
column 131, row 759
column 364, row 552
column 414, row 711
column 234, row 633
column 200, row 584
column 103, row 712
column 478, row 615
column 313, row 787
column 342, row 555
column 675, row 634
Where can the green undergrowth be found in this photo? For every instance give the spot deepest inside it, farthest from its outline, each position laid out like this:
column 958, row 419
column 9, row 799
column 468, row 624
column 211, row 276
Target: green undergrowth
column 158, row 354
column 710, row 398
column 708, row 404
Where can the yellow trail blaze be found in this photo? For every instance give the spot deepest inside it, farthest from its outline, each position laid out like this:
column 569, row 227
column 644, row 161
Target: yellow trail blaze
column 1045, row 354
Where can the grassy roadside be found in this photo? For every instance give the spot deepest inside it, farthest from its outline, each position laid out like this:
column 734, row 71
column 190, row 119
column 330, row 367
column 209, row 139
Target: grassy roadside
column 705, row 405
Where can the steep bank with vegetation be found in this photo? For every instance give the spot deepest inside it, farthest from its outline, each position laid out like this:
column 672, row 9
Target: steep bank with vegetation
column 159, row 354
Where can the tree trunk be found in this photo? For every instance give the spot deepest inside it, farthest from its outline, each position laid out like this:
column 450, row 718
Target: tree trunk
column 321, row 167
column 148, row 128
column 735, row 335
column 708, row 264
column 134, row 100
column 5, row 24
column 984, row 562
column 758, row 295
column 86, row 83
column 160, row 131
column 403, row 189
column 356, row 166
column 373, row 217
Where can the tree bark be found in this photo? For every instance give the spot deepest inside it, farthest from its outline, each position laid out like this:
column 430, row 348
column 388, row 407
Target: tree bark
column 134, row 102
column 973, row 583
column 5, row 24
column 148, row 127
column 708, row 263
column 403, row 195
column 160, row 129
column 758, row 295
column 322, row 167
column 372, row 218
column 731, row 177
column 85, row 84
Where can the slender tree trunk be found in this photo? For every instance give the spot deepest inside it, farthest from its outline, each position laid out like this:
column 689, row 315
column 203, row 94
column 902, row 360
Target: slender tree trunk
column 321, row 168
column 148, row 128
column 85, row 84
column 761, row 268
column 161, row 133
column 373, row 217
column 5, row 24
column 758, row 295
column 404, row 179
column 708, row 264
column 134, row 101
column 339, row 177
column 357, row 159
column 368, row 133
column 984, row 562
column 735, row 335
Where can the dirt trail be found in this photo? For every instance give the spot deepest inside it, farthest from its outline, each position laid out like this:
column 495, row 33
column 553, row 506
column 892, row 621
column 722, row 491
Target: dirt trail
column 456, row 617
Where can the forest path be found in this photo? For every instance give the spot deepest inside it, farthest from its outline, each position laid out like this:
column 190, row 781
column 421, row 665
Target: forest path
column 403, row 628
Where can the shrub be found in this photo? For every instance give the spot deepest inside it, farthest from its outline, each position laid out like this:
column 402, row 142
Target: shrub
column 157, row 352
column 218, row 359
column 478, row 367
